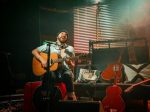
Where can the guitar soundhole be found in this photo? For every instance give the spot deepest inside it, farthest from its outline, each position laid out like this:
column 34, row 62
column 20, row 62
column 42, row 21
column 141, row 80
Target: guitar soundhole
column 44, row 99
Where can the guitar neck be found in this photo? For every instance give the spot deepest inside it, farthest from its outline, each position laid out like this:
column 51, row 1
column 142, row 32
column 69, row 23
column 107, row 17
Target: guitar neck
column 63, row 59
column 141, row 82
column 58, row 60
column 134, row 85
column 116, row 69
column 132, row 55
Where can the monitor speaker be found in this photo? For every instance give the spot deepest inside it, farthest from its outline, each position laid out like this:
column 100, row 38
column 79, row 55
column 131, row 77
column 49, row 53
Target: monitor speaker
column 80, row 106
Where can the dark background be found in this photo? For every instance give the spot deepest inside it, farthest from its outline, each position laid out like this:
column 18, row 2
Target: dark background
column 24, row 25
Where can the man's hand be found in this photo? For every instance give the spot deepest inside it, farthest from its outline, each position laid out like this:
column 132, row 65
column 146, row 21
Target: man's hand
column 43, row 62
column 70, row 63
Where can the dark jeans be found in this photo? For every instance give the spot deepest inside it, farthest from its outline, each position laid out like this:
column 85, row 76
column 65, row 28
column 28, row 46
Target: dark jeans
column 52, row 77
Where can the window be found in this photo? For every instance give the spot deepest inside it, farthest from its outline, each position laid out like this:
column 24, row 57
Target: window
column 99, row 22
column 84, row 28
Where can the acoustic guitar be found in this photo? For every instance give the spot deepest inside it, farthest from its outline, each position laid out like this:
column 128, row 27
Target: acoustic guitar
column 113, row 101
column 39, row 70
column 109, row 74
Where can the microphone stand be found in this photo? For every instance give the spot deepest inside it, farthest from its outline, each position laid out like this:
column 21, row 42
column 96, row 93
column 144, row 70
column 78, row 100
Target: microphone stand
column 50, row 82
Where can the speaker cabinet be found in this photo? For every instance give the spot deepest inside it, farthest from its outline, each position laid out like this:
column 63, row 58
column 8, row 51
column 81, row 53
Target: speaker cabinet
column 80, row 106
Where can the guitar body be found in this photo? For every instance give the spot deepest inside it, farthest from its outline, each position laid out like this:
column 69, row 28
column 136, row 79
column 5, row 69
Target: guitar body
column 113, row 101
column 38, row 70
column 109, row 73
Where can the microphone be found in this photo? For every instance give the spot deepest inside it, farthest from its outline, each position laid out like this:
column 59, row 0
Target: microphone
column 49, row 42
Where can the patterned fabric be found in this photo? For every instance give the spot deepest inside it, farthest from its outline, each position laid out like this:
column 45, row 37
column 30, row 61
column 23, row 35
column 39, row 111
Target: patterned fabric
column 136, row 71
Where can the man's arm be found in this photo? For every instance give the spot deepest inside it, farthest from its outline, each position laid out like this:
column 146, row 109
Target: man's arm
column 37, row 55
column 71, row 54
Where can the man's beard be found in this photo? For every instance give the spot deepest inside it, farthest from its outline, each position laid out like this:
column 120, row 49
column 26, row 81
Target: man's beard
column 63, row 42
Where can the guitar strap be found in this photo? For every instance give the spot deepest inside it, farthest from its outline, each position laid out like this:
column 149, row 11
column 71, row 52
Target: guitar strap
column 61, row 45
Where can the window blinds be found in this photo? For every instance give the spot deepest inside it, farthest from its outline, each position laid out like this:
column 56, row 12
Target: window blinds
column 84, row 27
column 100, row 22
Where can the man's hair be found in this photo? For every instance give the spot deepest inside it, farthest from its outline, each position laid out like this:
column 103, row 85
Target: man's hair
column 63, row 31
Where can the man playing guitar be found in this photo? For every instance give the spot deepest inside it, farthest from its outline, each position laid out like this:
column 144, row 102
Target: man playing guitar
column 63, row 68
